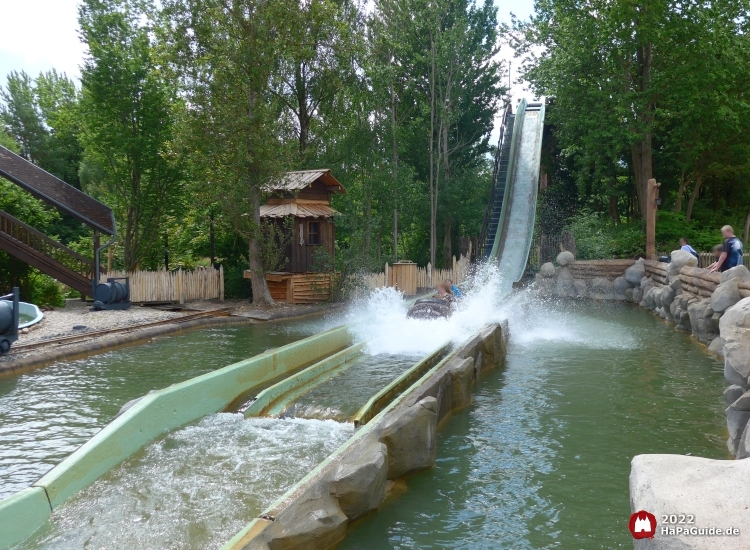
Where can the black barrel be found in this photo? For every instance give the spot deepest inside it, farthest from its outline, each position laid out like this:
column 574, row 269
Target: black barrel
column 6, row 317
column 112, row 292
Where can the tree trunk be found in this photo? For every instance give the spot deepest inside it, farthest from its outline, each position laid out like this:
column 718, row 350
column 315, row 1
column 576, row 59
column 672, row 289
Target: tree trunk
column 304, row 116
column 261, row 294
column 643, row 168
column 681, row 191
column 395, row 173
column 693, row 196
column 433, row 183
column 613, row 213
column 641, row 150
column 746, row 232
column 447, row 243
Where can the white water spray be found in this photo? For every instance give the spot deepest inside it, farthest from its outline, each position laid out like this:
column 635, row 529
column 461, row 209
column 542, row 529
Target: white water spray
column 380, row 318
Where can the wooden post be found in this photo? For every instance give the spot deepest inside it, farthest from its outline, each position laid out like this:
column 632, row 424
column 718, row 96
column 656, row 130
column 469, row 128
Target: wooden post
column 651, row 196
column 181, row 285
column 387, row 278
column 221, row 283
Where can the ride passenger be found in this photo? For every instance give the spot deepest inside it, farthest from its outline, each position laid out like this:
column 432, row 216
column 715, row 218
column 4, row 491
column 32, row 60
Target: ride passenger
column 454, row 289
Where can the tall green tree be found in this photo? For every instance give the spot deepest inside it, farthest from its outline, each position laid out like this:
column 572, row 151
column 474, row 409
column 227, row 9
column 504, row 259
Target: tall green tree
column 226, row 52
column 127, row 112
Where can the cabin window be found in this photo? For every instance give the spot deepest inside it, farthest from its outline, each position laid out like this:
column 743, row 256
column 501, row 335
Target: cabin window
column 313, row 233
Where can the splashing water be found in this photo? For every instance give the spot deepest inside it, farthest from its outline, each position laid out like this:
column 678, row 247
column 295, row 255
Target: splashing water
column 380, row 319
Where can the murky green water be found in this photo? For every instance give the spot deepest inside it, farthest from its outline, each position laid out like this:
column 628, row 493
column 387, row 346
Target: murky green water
column 48, row 413
column 541, row 459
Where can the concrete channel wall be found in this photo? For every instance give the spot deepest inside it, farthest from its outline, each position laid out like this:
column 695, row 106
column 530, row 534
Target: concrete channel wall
column 399, row 441
column 150, row 417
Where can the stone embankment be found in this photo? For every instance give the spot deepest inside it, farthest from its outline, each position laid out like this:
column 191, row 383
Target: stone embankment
column 715, row 309
column 598, row 279
column 398, row 442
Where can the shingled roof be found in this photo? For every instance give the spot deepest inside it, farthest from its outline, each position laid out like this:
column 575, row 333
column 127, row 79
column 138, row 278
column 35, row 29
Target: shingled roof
column 300, row 179
column 56, row 192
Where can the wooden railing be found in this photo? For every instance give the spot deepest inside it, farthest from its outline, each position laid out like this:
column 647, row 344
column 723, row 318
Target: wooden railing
column 45, row 246
column 705, row 259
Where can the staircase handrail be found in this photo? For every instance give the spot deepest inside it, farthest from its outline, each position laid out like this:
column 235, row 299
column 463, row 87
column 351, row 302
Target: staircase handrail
column 43, row 244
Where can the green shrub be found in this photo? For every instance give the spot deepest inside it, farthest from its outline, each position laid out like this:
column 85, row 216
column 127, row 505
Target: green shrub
column 46, row 291
column 598, row 238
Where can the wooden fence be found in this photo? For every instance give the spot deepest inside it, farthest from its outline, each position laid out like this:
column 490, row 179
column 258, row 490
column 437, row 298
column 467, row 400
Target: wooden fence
column 426, row 276
column 205, row 283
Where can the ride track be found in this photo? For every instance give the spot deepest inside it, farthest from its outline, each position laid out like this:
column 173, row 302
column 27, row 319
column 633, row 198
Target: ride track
column 74, row 338
column 508, row 228
column 278, row 375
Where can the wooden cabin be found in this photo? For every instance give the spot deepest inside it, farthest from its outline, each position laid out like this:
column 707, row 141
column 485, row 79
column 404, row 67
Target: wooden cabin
column 305, row 197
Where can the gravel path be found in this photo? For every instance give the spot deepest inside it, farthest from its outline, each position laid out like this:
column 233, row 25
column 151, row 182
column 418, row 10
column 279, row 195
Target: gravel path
column 60, row 322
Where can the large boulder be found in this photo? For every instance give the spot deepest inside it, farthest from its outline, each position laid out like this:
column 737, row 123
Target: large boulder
column 411, row 438
column 544, row 286
column 602, row 289
column 622, row 285
column 680, row 259
column 734, row 328
column 667, row 295
column 637, row 295
column 359, row 484
column 737, row 272
column 713, row 491
column 315, row 523
column 547, row 270
column 701, row 322
column 716, row 347
column 733, row 393
column 736, row 423
column 742, row 403
column 581, row 288
column 725, row 296
column 565, row 257
column 565, row 286
column 636, row 272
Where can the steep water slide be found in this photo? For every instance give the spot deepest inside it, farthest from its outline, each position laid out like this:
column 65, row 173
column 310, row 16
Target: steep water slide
column 509, row 222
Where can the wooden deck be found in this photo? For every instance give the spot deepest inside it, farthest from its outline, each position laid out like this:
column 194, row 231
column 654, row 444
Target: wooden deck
column 299, row 288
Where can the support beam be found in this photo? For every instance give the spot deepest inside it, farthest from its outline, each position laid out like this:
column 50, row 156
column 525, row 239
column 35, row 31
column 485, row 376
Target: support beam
column 651, row 199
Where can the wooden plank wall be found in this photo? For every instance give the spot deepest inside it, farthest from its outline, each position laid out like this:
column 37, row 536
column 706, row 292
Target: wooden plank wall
column 426, row 276
column 204, row 283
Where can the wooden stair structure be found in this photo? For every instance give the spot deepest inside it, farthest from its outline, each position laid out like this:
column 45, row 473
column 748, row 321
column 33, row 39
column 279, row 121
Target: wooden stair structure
column 37, row 249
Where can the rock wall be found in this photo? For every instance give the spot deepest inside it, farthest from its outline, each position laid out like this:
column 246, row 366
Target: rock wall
column 598, row 280
column 715, row 308
column 398, row 442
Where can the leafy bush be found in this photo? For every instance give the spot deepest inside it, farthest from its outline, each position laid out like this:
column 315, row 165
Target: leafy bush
column 46, row 291
column 671, row 226
column 597, row 238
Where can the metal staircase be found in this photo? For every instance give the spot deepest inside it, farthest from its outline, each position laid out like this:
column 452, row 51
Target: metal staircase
column 499, row 181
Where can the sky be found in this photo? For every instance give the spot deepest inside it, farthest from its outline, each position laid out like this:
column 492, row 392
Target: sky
column 38, row 35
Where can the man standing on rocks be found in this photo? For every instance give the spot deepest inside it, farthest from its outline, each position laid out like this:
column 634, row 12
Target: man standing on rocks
column 731, row 251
